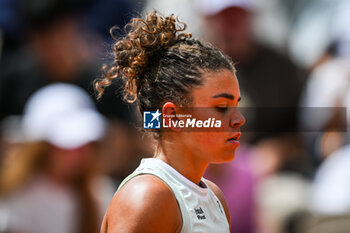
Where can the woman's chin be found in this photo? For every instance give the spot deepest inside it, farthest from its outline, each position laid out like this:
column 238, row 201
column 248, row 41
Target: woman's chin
column 225, row 158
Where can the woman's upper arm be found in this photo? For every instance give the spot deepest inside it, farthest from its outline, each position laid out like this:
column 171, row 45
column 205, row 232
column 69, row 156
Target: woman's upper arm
column 144, row 204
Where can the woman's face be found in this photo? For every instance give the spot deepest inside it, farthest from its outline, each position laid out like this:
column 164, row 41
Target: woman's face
column 71, row 164
column 217, row 98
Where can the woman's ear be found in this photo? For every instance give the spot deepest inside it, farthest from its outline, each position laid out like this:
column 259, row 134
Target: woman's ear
column 170, row 120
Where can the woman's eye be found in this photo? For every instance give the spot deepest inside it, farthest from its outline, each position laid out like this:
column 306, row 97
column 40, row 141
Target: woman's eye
column 221, row 109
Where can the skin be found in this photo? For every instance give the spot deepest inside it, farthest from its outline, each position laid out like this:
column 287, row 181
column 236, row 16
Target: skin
column 146, row 203
column 231, row 30
column 67, row 47
column 66, row 166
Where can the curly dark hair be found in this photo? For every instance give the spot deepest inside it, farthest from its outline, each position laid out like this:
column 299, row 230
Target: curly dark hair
column 159, row 62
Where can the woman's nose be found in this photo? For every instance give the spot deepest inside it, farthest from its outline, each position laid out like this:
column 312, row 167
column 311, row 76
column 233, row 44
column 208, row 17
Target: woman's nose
column 237, row 120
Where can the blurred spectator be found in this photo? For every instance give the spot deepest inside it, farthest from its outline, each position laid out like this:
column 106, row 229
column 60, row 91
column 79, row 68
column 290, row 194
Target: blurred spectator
column 56, row 51
column 60, row 42
column 332, row 80
column 49, row 182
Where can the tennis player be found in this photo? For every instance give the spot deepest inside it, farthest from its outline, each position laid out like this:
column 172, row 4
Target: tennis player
column 164, row 68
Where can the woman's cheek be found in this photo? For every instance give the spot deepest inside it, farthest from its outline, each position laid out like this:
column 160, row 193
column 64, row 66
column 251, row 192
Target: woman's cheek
column 210, row 139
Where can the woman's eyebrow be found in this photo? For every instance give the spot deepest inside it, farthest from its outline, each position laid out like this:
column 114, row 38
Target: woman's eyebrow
column 224, row 95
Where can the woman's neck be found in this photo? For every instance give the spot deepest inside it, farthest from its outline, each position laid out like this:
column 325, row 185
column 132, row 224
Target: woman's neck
column 183, row 160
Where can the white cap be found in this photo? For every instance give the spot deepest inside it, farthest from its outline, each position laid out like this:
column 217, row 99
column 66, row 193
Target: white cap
column 212, row 7
column 63, row 115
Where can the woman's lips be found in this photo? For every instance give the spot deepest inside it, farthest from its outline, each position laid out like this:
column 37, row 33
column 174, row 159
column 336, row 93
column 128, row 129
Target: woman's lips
column 235, row 137
column 234, row 143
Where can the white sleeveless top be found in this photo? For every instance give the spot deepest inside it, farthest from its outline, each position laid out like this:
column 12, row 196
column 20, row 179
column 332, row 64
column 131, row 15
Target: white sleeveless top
column 201, row 210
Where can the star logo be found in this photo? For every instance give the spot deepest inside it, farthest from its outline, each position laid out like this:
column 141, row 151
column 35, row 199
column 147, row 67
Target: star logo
column 151, row 119
column 156, row 115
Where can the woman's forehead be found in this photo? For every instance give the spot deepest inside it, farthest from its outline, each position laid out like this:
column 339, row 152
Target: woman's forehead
column 216, row 83
column 220, row 80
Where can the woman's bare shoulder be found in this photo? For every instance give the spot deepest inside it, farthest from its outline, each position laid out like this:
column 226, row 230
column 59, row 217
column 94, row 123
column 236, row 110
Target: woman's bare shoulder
column 143, row 204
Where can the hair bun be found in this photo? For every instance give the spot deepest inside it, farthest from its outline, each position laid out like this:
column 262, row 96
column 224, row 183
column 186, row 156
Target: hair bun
column 144, row 38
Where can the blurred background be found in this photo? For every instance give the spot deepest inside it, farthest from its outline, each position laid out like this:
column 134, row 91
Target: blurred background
column 63, row 153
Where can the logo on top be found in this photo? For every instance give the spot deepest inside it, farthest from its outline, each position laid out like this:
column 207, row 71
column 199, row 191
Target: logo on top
column 151, row 119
